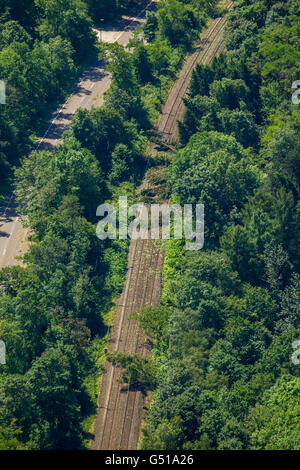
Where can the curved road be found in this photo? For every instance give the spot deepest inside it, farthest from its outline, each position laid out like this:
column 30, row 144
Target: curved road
column 87, row 92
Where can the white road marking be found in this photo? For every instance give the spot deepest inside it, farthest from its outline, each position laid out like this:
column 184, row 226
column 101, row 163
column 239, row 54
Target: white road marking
column 58, row 119
column 52, row 122
column 126, row 30
column 81, row 83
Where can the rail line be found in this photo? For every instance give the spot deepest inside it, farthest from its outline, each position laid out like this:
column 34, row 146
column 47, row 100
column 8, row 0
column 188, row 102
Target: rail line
column 173, row 134
column 113, row 371
column 169, row 116
column 132, row 349
column 132, row 399
column 136, row 303
column 217, row 26
column 125, row 403
column 120, row 409
column 214, row 51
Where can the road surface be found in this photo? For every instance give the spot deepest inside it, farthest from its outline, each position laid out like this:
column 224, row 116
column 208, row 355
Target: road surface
column 12, row 235
column 121, row 408
column 87, row 92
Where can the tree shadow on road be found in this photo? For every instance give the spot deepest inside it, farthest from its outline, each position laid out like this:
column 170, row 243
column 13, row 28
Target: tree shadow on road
column 4, row 234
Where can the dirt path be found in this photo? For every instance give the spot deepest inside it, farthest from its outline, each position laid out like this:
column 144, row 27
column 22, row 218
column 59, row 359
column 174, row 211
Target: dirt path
column 120, row 408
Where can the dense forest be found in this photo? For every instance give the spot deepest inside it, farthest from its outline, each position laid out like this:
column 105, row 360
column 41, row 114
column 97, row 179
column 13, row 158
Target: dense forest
column 222, row 375
column 55, row 307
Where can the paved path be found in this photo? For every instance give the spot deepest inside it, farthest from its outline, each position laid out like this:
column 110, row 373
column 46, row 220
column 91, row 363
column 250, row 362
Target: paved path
column 87, row 92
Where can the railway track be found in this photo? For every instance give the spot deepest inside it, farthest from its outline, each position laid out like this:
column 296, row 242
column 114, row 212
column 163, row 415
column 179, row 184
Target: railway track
column 120, row 408
column 125, row 405
column 173, row 110
column 135, row 400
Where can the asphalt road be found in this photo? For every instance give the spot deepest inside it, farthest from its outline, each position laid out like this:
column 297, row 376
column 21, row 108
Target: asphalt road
column 12, row 234
column 87, row 92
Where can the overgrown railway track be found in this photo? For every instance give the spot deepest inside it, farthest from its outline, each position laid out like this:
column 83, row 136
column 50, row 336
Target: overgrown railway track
column 125, row 404
column 173, row 110
column 120, row 407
